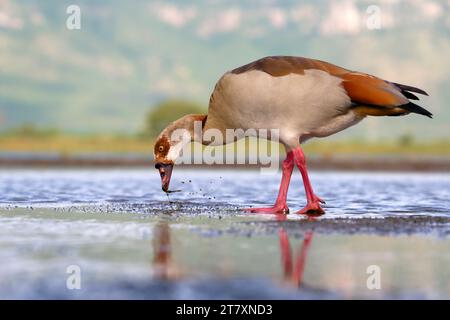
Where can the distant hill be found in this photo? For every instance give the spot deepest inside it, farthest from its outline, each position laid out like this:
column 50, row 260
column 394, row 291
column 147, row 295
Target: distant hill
column 129, row 55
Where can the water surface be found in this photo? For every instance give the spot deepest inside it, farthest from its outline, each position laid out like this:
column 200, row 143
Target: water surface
column 129, row 241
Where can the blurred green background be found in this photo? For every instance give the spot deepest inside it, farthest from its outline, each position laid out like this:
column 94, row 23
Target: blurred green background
column 135, row 65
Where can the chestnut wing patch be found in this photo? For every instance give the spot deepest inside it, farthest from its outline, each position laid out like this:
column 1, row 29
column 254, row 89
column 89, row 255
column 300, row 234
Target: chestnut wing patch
column 375, row 96
column 366, row 89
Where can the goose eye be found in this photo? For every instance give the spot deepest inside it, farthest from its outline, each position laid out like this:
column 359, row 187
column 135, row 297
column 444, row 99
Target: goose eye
column 161, row 148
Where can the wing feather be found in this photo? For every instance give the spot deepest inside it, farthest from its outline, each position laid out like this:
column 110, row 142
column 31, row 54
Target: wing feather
column 374, row 96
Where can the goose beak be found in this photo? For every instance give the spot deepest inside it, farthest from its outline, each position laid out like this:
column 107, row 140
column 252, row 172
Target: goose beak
column 165, row 171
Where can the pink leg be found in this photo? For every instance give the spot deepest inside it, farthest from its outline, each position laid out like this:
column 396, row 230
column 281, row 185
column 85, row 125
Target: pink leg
column 286, row 254
column 313, row 202
column 280, row 205
column 294, row 273
column 299, row 268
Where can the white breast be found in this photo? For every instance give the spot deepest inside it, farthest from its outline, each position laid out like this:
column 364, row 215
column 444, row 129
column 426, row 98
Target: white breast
column 300, row 106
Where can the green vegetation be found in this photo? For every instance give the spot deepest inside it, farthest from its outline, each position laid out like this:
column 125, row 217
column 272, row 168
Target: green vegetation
column 31, row 130
column 44, row 141
column 360, row 147
column 166, row 112
column 70, row 143
column 32, row 138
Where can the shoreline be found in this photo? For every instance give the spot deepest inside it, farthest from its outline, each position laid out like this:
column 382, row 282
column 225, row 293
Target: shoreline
column 315, row 162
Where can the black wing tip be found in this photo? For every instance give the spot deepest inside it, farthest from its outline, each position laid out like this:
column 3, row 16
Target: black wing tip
column 420, row 91
column 404, row 87
column 409, row 95
column 412, row 107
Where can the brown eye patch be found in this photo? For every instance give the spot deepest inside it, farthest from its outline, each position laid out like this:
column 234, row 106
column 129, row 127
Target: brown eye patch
column 162, row 147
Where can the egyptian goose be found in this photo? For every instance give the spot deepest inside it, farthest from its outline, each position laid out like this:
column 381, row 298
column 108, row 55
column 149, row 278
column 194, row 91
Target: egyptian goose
column 303, row 98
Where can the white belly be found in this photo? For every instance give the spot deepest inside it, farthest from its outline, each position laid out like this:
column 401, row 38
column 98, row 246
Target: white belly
column 300, row 106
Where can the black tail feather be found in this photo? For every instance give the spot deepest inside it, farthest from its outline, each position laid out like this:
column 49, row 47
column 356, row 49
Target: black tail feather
column 412, row 107
column 409, row 95
column 403, row 87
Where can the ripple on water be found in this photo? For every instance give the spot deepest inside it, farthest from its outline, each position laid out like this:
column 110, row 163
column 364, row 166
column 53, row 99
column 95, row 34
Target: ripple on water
column 346, row 193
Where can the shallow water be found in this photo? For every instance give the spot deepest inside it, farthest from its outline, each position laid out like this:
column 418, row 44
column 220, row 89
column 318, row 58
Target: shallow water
column 130, row 242
column 346, row 193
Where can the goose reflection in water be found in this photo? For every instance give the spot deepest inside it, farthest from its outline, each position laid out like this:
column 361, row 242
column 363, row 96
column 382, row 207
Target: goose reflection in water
column 293, row 266
column 163, row 266
column 293, row 261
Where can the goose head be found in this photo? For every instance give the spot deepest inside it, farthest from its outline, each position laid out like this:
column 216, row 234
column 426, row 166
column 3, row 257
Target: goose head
column 170, row 143
column 163, row 160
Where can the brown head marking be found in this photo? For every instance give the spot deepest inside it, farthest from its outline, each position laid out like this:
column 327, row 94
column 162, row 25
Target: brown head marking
column 161, row 149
